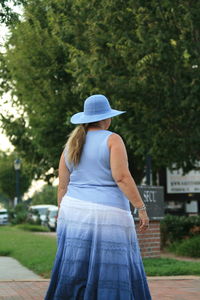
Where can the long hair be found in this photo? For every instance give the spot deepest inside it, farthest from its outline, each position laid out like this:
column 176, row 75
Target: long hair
column 75, row 143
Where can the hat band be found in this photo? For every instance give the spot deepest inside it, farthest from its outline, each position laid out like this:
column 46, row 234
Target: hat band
column 99, row 112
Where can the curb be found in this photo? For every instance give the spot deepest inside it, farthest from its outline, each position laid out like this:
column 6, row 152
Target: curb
column 25, row 280
column 178, row 277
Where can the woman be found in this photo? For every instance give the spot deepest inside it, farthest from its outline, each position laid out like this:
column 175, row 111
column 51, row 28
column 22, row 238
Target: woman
column 98, row 256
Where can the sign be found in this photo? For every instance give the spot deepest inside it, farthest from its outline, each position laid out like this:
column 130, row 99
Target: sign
column 153, row 197
column 177, row 183
column 191, row 206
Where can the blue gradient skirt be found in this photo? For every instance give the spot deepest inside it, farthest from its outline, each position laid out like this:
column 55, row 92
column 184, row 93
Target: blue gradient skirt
column 98, row 257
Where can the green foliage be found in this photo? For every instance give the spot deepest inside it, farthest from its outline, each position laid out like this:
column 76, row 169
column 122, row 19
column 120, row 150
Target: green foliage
column 7, row 14
column 36, row 221
column 7, row 177
column 42, row 87
column 143, row 55
column 131, row 57
column 31, row 227
column 48, row 195
column 189, row 247
column 18, row 214
column 3, row 200
column 175, row 228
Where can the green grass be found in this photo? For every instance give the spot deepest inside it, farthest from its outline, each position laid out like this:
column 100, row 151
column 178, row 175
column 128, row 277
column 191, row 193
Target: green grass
column 37, row 253
column 33, row 251
column 170, row 267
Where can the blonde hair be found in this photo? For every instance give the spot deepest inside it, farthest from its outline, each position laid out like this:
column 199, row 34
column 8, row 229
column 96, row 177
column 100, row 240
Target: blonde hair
column 75, row 143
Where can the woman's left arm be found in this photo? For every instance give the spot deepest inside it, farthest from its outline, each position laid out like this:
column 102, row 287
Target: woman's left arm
column 63, row 174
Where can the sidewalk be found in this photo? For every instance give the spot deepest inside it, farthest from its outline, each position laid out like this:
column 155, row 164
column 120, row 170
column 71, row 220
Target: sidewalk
column 23, row 290
column 175, row 288
column 19, row 283
column 11, row 269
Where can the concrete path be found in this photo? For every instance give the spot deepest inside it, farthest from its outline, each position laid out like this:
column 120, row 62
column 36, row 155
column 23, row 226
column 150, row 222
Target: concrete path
column 19, row 283
column 11, row 269
column 52, row 234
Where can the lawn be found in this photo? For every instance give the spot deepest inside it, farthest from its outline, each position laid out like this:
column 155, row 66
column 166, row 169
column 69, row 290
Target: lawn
column 170, row 267
column 31, row 250
column 38, row 252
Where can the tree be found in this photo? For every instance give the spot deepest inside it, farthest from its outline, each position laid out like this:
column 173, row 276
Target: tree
column 48, row 195
column 145, row 56
column 3, row 200
column 40, row 85
column 7, row 14
column 7, row 177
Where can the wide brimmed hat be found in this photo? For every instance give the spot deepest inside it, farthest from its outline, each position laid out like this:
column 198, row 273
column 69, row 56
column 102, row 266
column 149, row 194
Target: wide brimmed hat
column 96, row 108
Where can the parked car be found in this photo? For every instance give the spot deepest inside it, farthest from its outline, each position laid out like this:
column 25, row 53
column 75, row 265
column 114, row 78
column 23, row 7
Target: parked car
column 39, row 211
column 52, row 215
column 3, row 216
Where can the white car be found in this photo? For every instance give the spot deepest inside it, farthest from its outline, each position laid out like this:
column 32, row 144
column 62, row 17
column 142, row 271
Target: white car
column 3, row 216
column 52, row 215
column 40, row 211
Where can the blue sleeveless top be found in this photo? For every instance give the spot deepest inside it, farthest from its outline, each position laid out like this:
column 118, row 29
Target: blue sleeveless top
column 91, row 180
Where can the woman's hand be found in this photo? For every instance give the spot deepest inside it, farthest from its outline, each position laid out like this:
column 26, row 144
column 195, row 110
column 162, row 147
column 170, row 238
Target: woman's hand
column 144, row 220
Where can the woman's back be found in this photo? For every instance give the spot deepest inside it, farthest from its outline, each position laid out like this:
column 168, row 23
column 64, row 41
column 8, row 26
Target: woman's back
column 91, row 180
column 94, row 165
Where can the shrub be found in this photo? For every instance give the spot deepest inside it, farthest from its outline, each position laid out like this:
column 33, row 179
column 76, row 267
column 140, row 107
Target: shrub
column 189, row 247
column 29, row 227
column 36, row 220
column 18, row 214
column 175, row 228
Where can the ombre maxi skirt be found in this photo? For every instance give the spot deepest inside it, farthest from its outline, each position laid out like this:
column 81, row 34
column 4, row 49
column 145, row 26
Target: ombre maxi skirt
column 98, row 257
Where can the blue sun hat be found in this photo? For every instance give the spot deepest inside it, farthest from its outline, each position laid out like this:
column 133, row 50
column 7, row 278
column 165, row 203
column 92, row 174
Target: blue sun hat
column 96, row 108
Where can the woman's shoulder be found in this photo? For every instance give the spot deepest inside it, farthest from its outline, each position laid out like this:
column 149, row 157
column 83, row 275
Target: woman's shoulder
column 114, row 139
column 114, row 135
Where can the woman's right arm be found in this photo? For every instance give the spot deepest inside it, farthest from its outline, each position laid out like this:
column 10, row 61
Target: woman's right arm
column 123, row 178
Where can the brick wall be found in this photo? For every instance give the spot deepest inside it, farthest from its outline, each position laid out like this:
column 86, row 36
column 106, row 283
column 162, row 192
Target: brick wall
column 150, row 240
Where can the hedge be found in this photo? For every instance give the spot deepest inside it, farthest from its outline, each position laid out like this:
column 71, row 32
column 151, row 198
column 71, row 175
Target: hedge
column 175, row 228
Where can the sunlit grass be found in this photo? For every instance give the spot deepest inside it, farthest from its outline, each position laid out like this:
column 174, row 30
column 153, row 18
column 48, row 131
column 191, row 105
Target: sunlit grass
column 33, row 251
column 170, row 267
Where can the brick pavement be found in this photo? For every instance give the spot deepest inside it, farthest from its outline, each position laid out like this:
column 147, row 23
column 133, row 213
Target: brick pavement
column 23, row 290
column 184, row 288
column 162, row 288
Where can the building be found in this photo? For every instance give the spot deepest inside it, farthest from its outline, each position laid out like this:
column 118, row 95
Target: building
column 181, row 191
